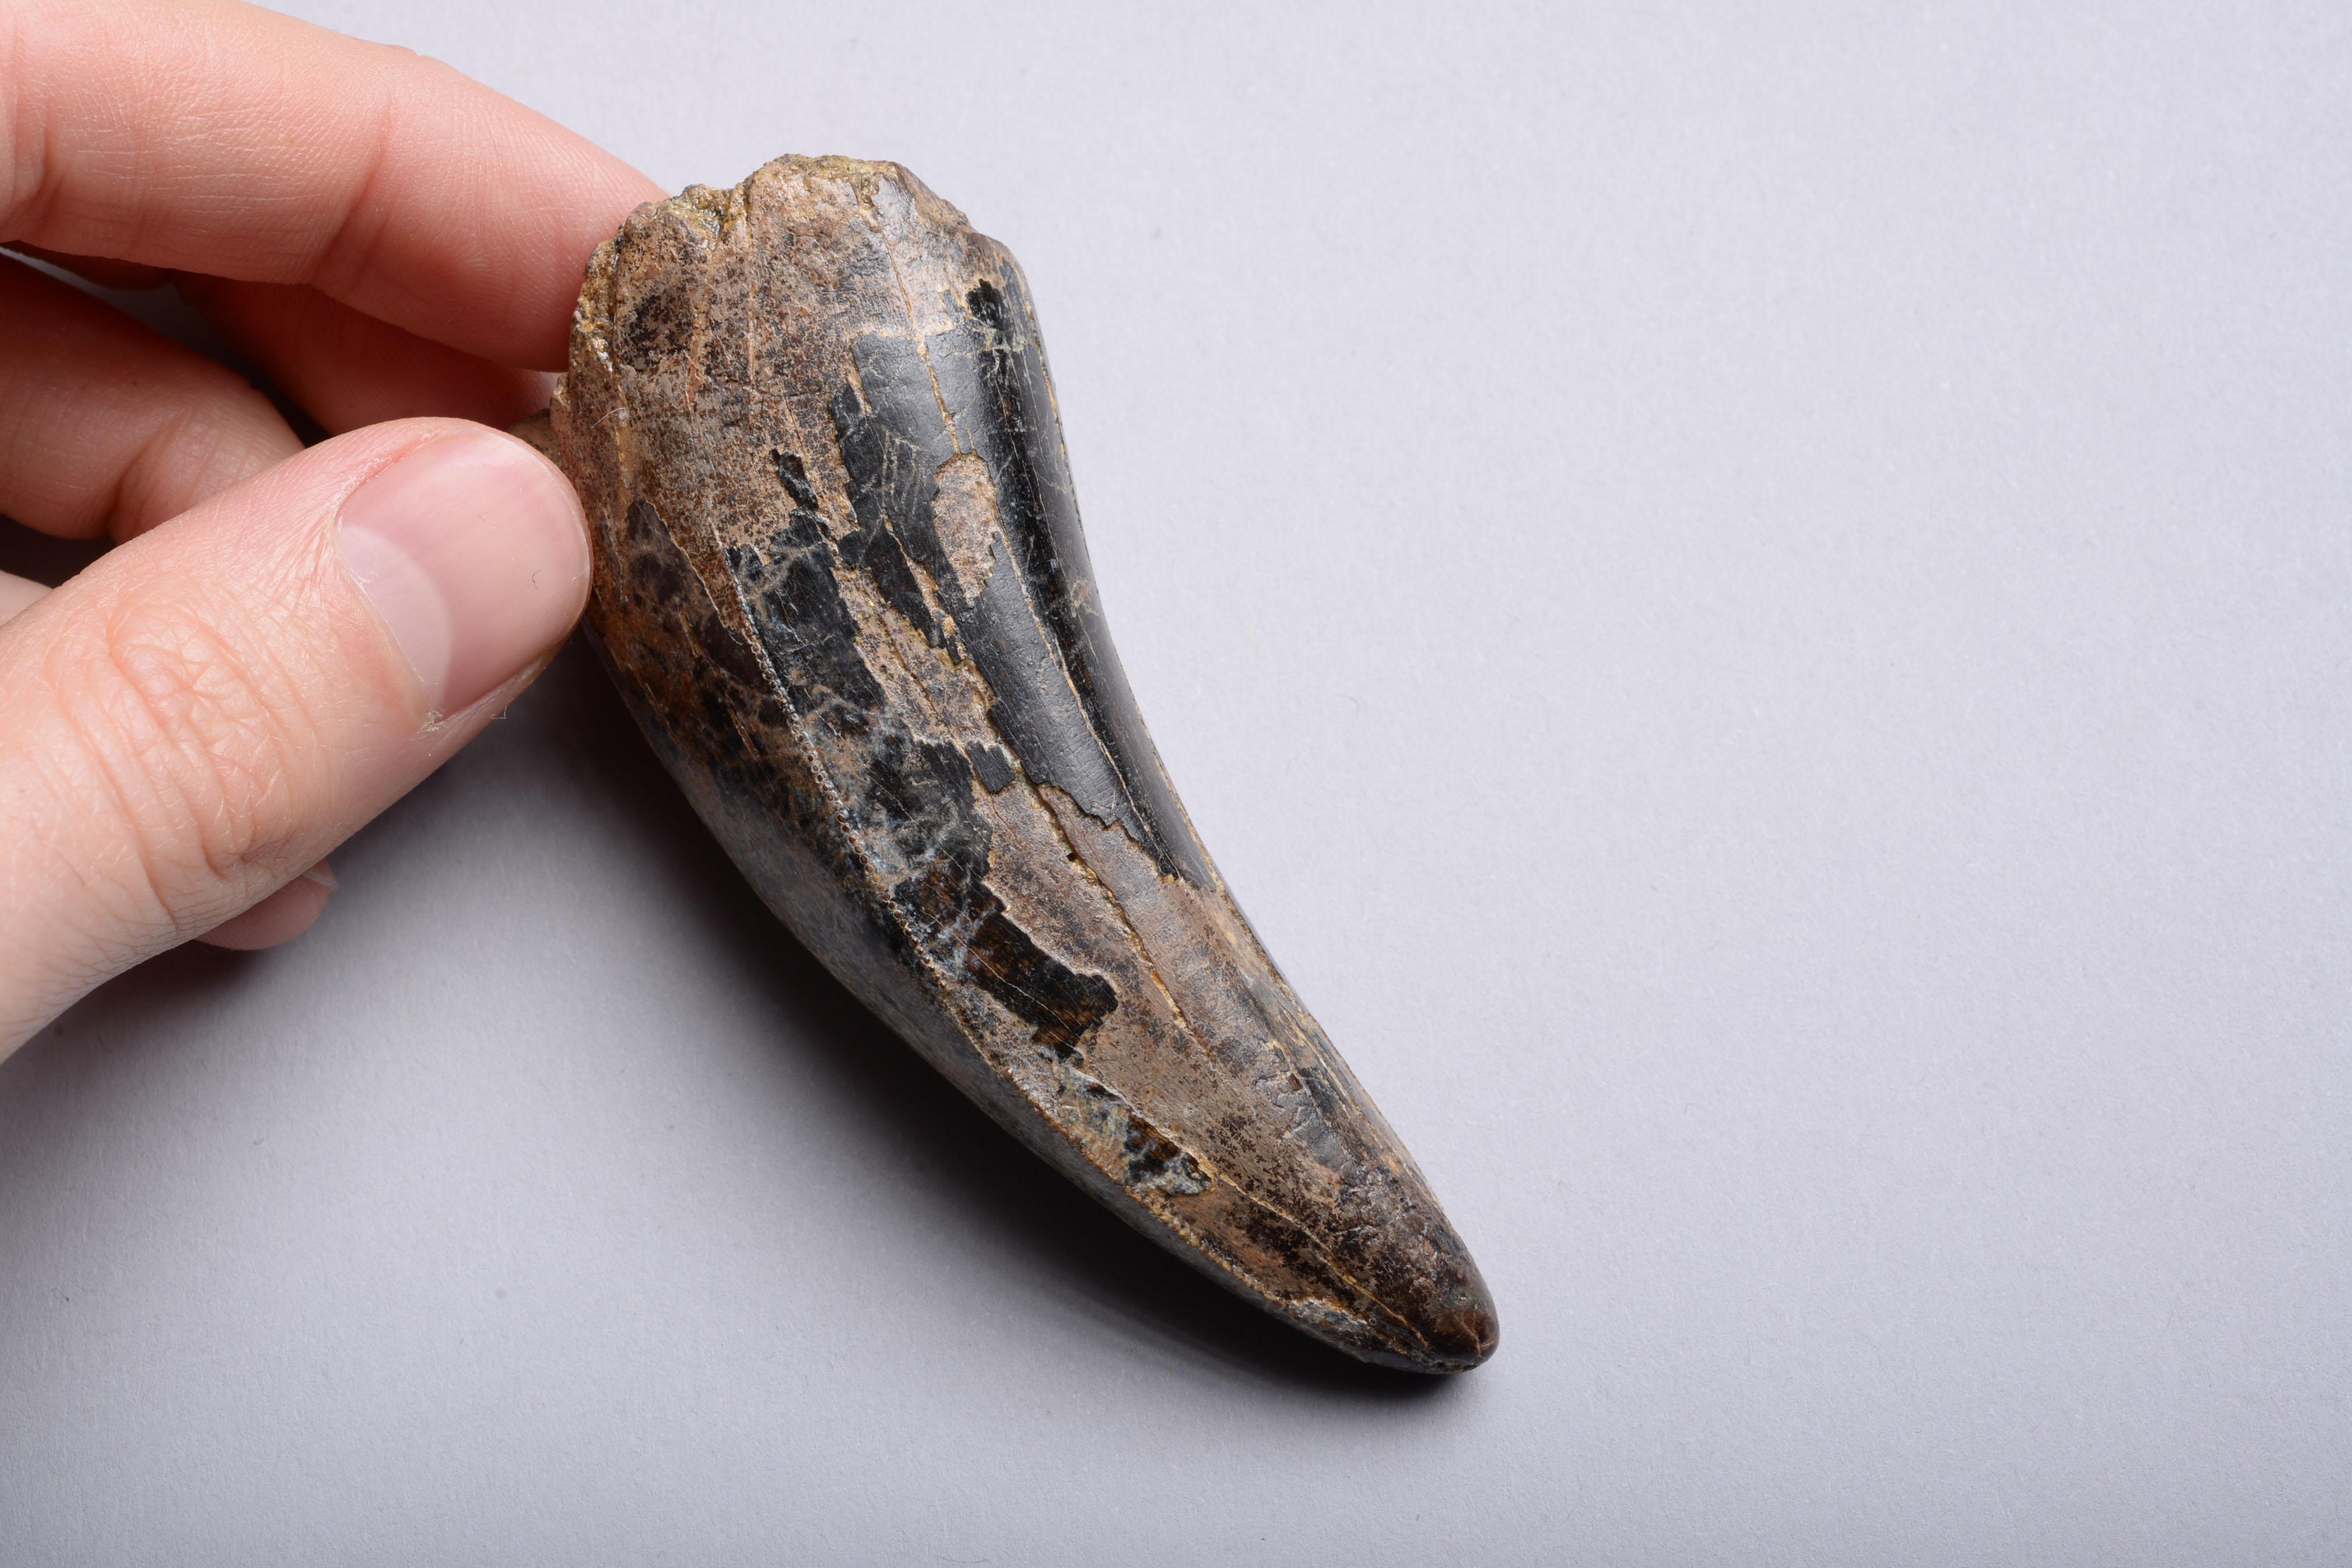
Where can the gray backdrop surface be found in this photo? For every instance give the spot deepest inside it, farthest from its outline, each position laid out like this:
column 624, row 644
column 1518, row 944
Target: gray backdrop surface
column 1755, row 607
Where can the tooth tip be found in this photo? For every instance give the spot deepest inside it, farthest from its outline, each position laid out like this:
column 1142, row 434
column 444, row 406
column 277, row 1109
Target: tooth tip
column 1446, row 1325
column 1445, row 1349
column 1459, row 1337
column 1468, row 1340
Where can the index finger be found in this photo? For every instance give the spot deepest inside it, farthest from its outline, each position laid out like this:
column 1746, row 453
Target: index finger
column 220, row 138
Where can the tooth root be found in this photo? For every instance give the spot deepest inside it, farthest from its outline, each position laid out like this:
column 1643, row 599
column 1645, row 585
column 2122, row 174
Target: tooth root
column 841, row 583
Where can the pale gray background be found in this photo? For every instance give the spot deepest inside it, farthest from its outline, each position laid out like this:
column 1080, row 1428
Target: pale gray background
column 1756, row 606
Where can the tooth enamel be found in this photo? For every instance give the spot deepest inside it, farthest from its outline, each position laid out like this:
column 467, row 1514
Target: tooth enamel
column 841, row 583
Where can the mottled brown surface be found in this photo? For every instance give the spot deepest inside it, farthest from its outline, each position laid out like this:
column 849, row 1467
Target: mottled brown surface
column 840, row 582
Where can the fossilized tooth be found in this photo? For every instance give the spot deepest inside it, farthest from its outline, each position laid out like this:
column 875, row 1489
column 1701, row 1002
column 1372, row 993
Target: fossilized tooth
column 841, row 583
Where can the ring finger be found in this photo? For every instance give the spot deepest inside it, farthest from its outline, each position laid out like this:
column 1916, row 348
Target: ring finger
column 107, row 427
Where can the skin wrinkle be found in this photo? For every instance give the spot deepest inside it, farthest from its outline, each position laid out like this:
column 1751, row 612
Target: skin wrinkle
column 29, row 156
column 202, row 742
column 203, row 452
column 72, row 789
column 140, row 476
column 108, row 933
column 49, row 186
column 203, row 727
column 163, row 755
column 183, row 456
column 77, row 807
column 352, row 252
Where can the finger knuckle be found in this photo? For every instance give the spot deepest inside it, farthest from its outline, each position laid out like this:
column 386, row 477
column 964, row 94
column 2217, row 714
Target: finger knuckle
column 214, row 432
column 197, row 736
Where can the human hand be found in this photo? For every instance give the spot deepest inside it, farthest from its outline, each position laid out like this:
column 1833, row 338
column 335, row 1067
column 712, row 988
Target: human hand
column 283, row 641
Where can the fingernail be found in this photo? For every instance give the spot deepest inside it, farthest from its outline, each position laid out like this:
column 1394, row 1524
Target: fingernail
column 474, row 551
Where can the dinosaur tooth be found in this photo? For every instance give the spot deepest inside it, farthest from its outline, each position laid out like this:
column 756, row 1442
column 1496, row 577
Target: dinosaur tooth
column 841, row 584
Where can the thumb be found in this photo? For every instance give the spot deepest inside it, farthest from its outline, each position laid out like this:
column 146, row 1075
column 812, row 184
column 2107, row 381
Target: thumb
column 208, row 710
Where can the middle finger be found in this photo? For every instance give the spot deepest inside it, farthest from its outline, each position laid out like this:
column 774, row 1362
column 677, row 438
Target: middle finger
column 347, row 369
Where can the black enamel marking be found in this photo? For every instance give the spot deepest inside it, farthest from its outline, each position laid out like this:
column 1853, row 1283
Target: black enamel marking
column 1029, row 634
column 1156, row 1160
column 991, row 374
column 658, row 573
column 991, row 766
column 892, row 444
column 1058, row 1001
column 809, row 633
column 916, row 794
column 883, row 559
column 793, row 473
